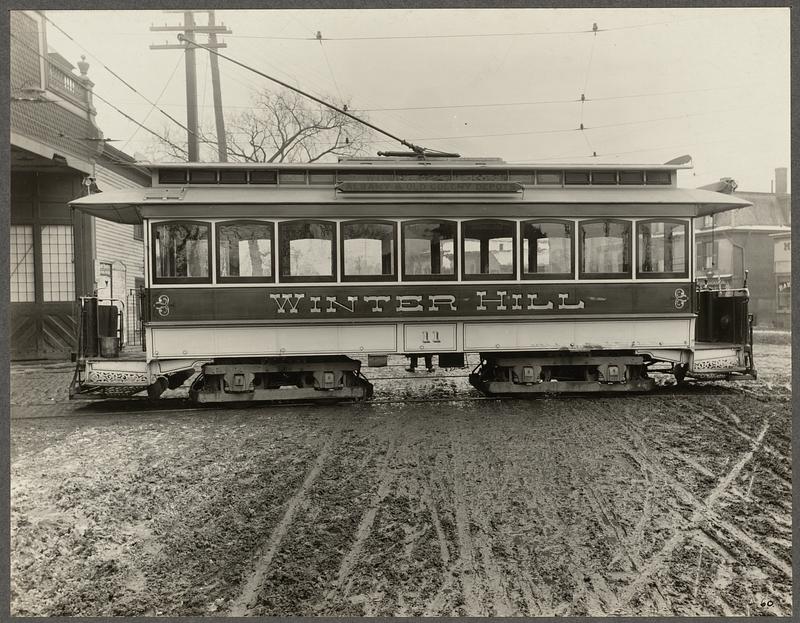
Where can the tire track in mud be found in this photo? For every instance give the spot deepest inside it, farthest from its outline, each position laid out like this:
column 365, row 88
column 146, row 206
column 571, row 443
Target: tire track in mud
column 703, row 505
column 705, row 412
column 465, row 564
column 250, row 590
column 702, row 511
column 471, row 582
column 436, row 605
column 598, row 596
column 386, row 477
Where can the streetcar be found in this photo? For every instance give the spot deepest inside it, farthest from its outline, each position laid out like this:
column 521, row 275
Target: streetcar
column 280, row 281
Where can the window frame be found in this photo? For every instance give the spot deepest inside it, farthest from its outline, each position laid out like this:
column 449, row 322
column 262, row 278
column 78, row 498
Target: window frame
column 332, row 278
column 620, row 275
column 666, row 275
column 465, row 276
column 30, row 253
column 548, row 276
column 218, row 242
column 440, row 277
column 177, row 280
column 395, row 259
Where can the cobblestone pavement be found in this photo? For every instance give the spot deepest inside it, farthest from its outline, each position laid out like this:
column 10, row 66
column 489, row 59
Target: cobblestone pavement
column 40, row 385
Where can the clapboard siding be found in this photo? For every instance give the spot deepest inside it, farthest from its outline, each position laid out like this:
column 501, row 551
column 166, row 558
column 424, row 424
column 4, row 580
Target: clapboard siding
column 115, row 244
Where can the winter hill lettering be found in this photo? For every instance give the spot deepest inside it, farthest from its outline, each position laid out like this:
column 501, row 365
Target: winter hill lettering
column 478, row 301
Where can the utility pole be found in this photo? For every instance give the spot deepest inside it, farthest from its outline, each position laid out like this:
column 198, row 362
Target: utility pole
column 189, row 28
column 222, row 145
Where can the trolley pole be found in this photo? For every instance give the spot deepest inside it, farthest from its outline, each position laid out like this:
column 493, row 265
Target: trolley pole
column 189, row 28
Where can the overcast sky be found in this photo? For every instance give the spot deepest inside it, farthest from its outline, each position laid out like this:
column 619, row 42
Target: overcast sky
column 659, row 83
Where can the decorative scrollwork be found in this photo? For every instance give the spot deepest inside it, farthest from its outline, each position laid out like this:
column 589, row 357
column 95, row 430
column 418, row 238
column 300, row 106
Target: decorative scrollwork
column 721, row 363
column 114, row 377
column 162, row 305
column 680, row 298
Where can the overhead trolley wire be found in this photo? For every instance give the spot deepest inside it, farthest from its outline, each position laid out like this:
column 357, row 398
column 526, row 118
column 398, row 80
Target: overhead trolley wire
column 468, row 35
column 100, row 97
column 158, row 99
column 531, row 103
column 127, row 84
column 415, row 148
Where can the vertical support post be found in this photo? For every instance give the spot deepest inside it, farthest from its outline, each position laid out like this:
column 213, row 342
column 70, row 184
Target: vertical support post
column 191, row 88
column 222, row 146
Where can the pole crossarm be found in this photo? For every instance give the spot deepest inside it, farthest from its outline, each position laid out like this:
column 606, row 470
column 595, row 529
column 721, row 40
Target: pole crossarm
column 177, row 46
column 217, row 30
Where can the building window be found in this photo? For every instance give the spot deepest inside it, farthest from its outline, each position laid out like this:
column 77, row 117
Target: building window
column 707, row 252
column 488, row 249
column 58, row 268
column 429, row 250
column 181, row 252
column 784, row 301
column 547, row 250
column 368, row 251
column 244, row 251
column 605, row 249
column 22, row 264
column 307, row 251
column 662, row 249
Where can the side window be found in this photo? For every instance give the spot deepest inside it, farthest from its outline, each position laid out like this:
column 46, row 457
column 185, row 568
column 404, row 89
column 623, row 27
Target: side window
column 368, row 251
column 244, row 251
column 605, row 249
column 662, row 249
column 547, row 250
column 181, row 252
column 489, row 249
column 429, row 250
column 307, row 251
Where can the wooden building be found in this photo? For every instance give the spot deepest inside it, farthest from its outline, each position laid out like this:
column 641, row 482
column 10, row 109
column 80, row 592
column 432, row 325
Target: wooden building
column 57, row 154
column 730, row 243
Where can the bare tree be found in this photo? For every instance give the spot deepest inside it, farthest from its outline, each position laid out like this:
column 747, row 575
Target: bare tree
column 281, row 126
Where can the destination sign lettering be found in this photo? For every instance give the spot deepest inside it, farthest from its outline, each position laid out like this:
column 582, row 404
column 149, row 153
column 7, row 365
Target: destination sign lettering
column 345, row 302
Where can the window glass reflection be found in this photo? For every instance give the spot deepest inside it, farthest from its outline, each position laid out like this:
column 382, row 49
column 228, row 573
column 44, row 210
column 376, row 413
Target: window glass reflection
column 429, row 248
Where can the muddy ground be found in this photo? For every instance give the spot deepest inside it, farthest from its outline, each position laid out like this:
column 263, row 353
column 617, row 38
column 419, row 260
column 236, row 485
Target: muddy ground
column 671, row 503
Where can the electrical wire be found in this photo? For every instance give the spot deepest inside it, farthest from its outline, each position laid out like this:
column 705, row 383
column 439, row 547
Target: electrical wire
column 330, row 69
column 416, row 148
column 117, row 76
column 469, row 35
column 100, row 97
column 153, row 107
column 585, row 128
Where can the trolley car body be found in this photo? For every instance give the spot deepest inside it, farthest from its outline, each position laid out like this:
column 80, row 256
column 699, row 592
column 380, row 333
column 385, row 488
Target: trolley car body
column 563, row 278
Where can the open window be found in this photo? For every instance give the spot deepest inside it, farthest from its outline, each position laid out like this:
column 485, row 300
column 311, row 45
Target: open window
column 307, row 251
column 368, row 251
column 548, row 251
column 181, row 252
column 663, row 249
column 429, row 250
column 489, row 249
column 605, row 247
column 245, row 252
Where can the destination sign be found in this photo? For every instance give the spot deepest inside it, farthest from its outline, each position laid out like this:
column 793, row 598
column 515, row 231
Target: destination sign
column 347, row 302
